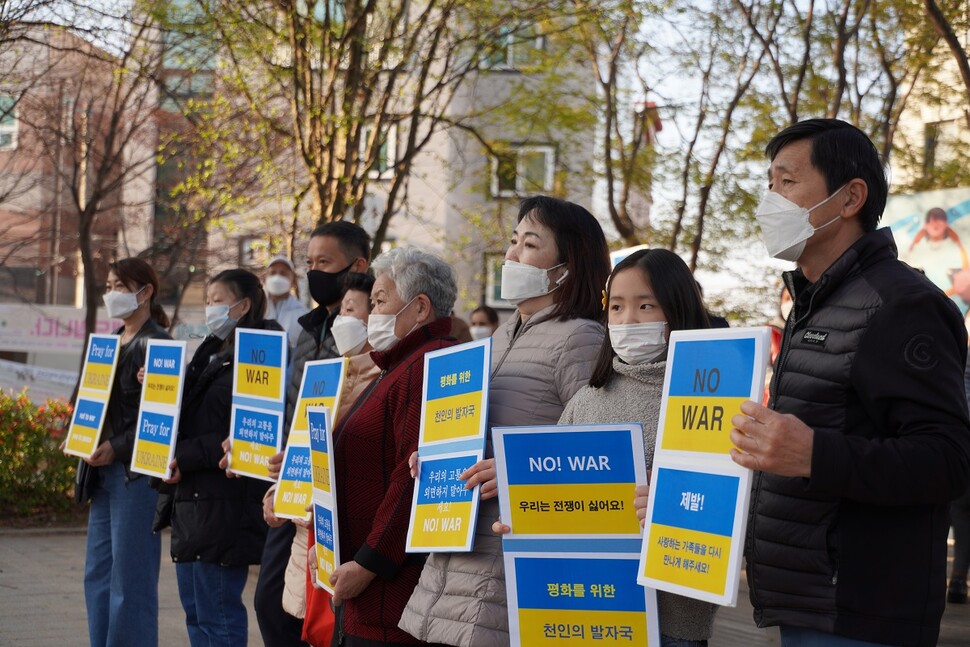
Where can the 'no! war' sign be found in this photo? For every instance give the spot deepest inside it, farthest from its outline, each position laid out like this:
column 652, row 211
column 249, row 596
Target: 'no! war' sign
column 156, row 427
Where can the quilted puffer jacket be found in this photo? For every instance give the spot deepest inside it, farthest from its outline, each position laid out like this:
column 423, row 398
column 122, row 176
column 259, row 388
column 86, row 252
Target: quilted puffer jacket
column 872, row 360
column 536, row 368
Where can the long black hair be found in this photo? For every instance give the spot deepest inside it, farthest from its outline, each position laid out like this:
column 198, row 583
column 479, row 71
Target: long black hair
column 676, row 292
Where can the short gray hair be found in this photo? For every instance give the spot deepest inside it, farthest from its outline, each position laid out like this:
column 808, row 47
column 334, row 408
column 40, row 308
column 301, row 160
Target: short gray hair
column 415, row 272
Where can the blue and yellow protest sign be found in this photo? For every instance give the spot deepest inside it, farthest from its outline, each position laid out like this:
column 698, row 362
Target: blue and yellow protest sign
column 706, row 382
column 324, row 495
column 321, row 448
column 571, row 558
column 156, row 428
column 570, row 480
column 321, row 385
column 454, row 410
column 578, row 600
column 693, row 521
column 258, row 391
column 455, row 393
column 697, row 510
column 97, row 378
column 260, row 364
column 326, row 543
column 444, row 506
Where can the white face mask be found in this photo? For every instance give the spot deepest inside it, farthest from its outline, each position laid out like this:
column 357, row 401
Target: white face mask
column 218, row 321
column 121, row 304
column 480, row 332
column 639, row 343
column 786, row 309
column 380, row 329
column 349, row 333
column 785, row 226
column 277, row 285
column 521, row 281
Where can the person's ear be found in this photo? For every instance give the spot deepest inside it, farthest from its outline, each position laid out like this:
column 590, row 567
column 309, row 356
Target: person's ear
column 149, row 292
column 856, row 192
column 425, row 313
column 359, row 265
column 245, row 304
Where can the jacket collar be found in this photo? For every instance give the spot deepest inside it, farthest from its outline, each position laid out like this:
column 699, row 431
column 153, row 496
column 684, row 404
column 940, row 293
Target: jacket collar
column 872, row 247
column 387, row 359
column 514, row 327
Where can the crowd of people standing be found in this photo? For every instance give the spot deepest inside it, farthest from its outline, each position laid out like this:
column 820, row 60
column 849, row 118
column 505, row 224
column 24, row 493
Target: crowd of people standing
column 862, row 443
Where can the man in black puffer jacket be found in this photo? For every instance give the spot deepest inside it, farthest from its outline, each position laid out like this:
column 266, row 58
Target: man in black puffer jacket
column 866, row 437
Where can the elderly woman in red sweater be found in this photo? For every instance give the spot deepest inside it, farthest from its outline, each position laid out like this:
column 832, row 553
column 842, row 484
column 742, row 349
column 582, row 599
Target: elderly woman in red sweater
column 412, row 298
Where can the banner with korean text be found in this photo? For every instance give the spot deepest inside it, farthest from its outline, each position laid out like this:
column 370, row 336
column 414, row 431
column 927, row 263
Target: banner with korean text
column 258, row 392
column 571, row 557
column 97, row 378
column 698, row 506
column 325, row 534
column 321, row 385
column 454, row 411
column 156, row 429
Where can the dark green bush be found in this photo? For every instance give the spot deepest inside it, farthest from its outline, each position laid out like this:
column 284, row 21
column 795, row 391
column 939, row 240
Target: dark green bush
column 36, row 477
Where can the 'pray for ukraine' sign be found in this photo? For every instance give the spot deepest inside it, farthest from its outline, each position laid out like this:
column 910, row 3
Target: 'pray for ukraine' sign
column 97, row 378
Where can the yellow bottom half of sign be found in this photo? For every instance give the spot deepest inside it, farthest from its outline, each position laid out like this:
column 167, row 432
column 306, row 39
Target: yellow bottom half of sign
column 434, row 528
column 81, row 440
column 702, row 424
column 251, row 458
column 151, row 457
column 162, row 388
column 262, row 381
column 325, row 566
column 97, row 377
column 581, row 627
column 573, row 508
column 320, row 469
column 292, row 498
column 458, row 416
column 697, row 560
column 300, row 422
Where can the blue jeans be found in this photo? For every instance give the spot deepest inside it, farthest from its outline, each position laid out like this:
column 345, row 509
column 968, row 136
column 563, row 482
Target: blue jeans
column 121, row 564
column 799, row 637
column 212, row 598
column 668, row 641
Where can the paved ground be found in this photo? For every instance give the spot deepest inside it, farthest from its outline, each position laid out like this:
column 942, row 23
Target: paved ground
column 42, row 599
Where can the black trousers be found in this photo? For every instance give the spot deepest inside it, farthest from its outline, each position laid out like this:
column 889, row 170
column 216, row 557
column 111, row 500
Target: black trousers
column 278, row 628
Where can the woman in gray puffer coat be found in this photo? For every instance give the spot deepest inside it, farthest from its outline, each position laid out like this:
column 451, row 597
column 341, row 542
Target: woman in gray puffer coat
column 554, row 271
column 650, row 293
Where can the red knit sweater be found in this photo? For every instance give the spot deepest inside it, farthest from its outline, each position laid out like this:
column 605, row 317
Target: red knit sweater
column 374, row 485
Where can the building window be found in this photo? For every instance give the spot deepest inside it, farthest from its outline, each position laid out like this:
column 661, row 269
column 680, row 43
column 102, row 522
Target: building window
column 8, row 123
column 514, row 50
column 386, row 154
column 518, row 170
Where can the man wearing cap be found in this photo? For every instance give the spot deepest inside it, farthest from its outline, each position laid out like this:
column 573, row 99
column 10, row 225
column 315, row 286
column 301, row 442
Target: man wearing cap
column 282, row 305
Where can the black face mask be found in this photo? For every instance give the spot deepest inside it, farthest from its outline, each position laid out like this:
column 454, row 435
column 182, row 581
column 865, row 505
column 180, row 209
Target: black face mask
column 326, row 287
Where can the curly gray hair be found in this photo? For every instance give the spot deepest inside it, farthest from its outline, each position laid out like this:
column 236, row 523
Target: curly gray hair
column 416, row 272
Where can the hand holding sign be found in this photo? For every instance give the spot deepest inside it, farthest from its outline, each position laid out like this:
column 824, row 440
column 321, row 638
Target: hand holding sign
column 771, row 442
column 103, row 455
column 642, row 494
column 482, row 472
column 349, row 580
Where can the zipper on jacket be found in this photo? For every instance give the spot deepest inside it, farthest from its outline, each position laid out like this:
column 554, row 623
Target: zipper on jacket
column 515, row 337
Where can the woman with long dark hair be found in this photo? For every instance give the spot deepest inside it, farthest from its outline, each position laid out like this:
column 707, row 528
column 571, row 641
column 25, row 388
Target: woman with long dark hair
column 122, row 560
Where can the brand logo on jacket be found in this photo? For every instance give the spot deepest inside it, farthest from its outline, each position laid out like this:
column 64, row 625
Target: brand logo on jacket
column 815, row 337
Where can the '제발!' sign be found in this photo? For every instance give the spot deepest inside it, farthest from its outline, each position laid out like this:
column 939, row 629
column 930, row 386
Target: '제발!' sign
column 698, row 506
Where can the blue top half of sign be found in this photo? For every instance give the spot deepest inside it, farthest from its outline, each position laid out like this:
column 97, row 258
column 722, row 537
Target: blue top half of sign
column 164, row 360
column 536, row 576
column 439, row 481
column 677, row 502
column 321, row 380
column 720, row 368
column 317, row 425
column 456, row 364
column 260, row 349
column 541, row 458
column 102, row 350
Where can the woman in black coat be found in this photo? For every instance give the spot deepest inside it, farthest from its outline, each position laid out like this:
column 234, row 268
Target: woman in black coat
column 217, row 521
